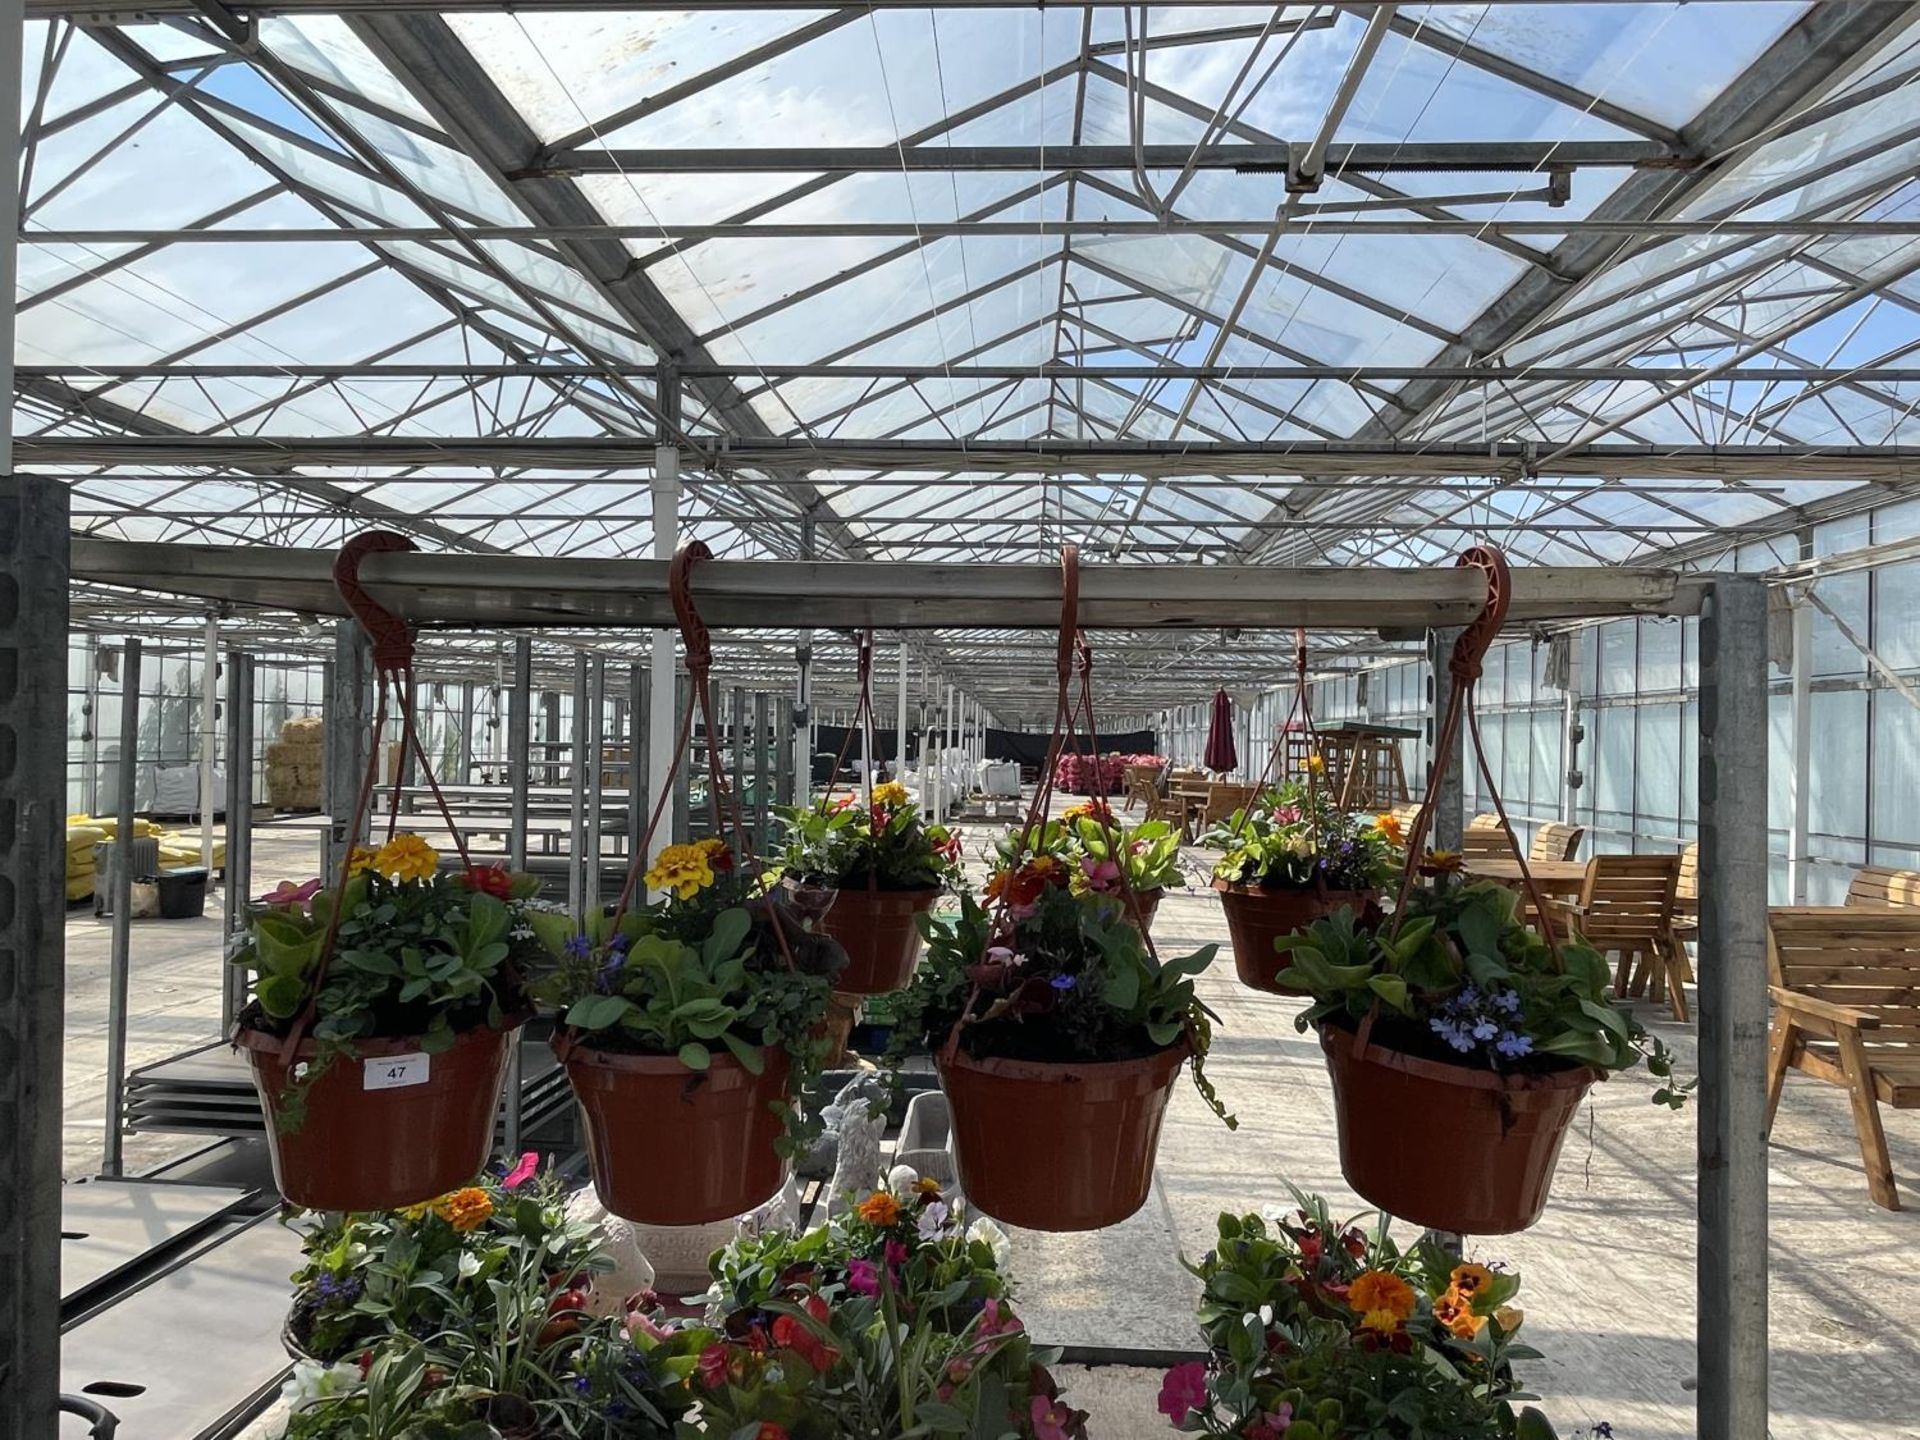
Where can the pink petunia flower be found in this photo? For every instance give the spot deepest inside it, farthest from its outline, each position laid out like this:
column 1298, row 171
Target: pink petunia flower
column 286, row 894
column 996, row 1321
column 1272, row 1425
column 1050, row 1419
column 1184, row 1390
column 863, row 1277
column 1102, row 875
column 528, row 1167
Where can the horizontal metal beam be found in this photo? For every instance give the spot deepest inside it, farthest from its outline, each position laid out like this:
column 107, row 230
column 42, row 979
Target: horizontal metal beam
column 136, row 11
column 1374, row 157
column 468, row 591
column 1048, row 370
column 1862, row 463
column 1322, row 220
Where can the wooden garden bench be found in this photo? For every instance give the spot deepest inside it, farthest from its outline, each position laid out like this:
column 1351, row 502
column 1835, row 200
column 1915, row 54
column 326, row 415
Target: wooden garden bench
column 1846, row 992
column 1556, row 841
column 1880, row 886
column 1626, row 909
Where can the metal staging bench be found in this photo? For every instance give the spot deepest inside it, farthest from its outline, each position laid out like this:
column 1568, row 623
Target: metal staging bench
column 493, row 592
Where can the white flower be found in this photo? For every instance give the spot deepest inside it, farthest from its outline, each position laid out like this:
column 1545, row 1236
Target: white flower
column 901, row 1180
column 312, row 1381
column 469, row 1264
column 996, row 1239
column 1300, row 845
column 932, row 1220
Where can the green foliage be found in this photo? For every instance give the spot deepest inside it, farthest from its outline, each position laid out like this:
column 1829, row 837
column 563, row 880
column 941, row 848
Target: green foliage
column 888, row 844
column 1295, row 1350
column 1473, row 986
column 1294, row 836
column 1071, row 981
column 430, row 958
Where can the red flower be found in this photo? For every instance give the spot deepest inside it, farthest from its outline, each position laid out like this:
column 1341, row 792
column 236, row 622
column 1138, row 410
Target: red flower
column 770, row 1431
column 713, row 1366
column 489, row 880
column 792, row 1334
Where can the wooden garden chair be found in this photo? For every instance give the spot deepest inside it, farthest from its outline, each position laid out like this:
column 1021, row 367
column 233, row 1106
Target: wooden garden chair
column 1555, row 841
column 1223, row 799
column 1879, row 886
column 1142, row 787
column 1626, row 909
column 1485, row 839
column 1846, row 993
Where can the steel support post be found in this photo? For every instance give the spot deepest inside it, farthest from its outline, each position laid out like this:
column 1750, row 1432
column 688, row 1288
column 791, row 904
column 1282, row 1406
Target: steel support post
column 519, row 752
column 1799, row 862
column 209, row 737
column 1449, row 810
column 765, row 776
column 120, row 892
column 577, row 809
column 409, row 764
column 662, row 729
column 348, row 715
column 465, row 750
column 900, row 719
column 596, row 801
column 736, row 744
column 1731, row 1279
column 239, row 868
column 639, row 797
column 33, row 804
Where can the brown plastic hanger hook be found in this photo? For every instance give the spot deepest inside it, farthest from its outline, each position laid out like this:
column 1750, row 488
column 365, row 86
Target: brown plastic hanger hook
column 1069, row 610
column 1470, row 650
column 680, row 590
column 392, row 637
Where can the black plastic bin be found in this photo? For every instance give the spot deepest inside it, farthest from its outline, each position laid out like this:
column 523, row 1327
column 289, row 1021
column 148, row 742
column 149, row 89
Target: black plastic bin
column 183, row 893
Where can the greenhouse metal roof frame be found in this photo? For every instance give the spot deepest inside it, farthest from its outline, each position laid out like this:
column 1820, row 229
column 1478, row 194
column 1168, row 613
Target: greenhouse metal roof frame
column 438, row 144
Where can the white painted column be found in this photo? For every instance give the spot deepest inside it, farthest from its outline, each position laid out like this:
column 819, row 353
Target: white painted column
column 1799, row 862
column 663, row 722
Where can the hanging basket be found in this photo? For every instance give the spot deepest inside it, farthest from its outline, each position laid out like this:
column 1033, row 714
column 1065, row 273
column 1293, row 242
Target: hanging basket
column 387, row 1126
column 673, row 1146
column 877, row 929
column 1149, row 903
column 1257, row 918
column 1058, row 1146
column 1448, row 1146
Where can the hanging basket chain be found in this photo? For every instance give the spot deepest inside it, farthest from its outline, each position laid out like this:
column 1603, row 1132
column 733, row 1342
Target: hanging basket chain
column 1302, row 706
column 1464, row 669
column 1108, row 829
column 392, row 641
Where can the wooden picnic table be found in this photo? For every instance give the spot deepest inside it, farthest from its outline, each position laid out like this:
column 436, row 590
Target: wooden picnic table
column 1555, row 877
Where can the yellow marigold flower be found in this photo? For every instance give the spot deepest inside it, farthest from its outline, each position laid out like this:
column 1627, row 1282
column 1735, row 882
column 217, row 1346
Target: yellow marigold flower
column 1470, row 1280
column 406, row 857
column 1388, row 824
column 685, row 870
column 466, row 1209
column 880, row 1209
column 1317, row 763
column 890, row 794
column 415, row 1212
column 361, row 859
column 1447, row 860
column 1382, row 1300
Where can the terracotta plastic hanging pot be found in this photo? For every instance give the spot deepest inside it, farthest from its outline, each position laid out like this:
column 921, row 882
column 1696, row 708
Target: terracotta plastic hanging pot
column 673, row 1146
column 1058, row 1147
column 876, row 928
column 1257, row 917
column 1149, row 901
column 1448, row 1146
column 388, row 1126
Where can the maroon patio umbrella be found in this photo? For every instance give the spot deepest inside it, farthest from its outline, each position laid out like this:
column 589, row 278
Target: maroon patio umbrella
column 1220, row 754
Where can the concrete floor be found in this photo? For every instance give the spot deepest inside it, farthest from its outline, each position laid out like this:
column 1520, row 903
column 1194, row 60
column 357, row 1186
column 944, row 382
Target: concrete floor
column 1608, row 1273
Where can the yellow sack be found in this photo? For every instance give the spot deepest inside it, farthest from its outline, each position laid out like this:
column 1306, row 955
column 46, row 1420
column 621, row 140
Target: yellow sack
column 79, row 887
column 82, row 838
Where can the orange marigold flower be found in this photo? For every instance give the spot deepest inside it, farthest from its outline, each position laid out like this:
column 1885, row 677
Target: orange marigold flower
column 1382, row 1300
column 1443, row 861
column 1388, row 824
column 466, row 1209
column 880, row 1209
